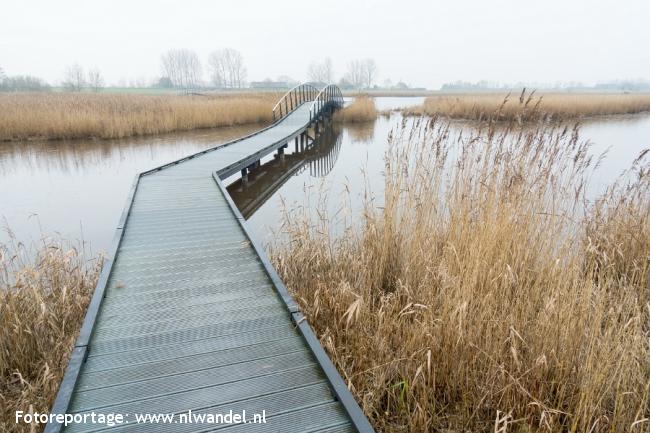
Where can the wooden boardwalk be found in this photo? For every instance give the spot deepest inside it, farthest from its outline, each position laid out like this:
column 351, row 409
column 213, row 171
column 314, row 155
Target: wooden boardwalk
column 190, row 315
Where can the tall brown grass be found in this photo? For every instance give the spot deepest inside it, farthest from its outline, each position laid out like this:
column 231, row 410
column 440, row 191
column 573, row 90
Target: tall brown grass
column 481, row 292
column 63, row 116
column 362, row 109
column 42, row 304
column 529, row 106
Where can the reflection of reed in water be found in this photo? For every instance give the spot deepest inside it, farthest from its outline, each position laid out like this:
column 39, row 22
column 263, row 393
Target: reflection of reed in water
column 363, row 131
column 73, row 156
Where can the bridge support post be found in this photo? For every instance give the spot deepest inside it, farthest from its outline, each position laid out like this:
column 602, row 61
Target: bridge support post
column 244, row 175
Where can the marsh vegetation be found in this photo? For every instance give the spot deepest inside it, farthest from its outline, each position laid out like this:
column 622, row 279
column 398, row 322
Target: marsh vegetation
column 480, row 285
column 531, row 106
column 482, row 290
column 361, row 109
column 52, row 116
column 43, row 300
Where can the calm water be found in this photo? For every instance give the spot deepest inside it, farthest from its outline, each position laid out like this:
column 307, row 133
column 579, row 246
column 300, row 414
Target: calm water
column 78, row 188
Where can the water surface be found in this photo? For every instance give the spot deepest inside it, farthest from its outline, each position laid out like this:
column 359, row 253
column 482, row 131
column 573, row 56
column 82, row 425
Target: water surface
column 78, row 188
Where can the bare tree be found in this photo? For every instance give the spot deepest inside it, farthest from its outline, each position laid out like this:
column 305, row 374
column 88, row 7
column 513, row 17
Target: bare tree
column 2, row 74
column 95, row 80
column 74, row 79
column 361, row 73
column 356, row 74
column 369, row 72
column 227, row 69
column 183, row 67
column 321, row 72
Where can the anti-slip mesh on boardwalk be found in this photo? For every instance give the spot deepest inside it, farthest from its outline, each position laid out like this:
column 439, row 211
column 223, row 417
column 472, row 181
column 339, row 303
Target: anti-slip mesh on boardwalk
column 189, row 315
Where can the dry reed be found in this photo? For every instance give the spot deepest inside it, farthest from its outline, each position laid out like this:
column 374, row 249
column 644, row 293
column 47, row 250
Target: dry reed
column 556, row 106
column 362, row 109
column 482, row 292
column 65, row 116
column 42, row 304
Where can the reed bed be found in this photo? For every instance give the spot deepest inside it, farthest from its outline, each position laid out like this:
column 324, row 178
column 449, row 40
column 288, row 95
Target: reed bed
column 529, row 106
column 42, row 304
column 362, row 109
column 54, row 116
column 481, row 291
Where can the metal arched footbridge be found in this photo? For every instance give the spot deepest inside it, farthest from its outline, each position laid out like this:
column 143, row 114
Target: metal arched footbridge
column 190, row 320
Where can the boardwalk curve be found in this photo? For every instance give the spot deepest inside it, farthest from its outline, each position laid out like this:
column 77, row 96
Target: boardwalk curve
column 189, row 314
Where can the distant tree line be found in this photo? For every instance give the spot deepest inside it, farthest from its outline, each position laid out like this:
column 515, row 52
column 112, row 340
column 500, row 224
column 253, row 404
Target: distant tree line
column 484, row 85
column 181, row 68
column 225, row 67
column 360, row 73
column 74, row 80
column 21, row 83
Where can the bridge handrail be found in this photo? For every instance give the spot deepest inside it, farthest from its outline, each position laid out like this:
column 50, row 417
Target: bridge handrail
column 329, row 95
column 295, row 97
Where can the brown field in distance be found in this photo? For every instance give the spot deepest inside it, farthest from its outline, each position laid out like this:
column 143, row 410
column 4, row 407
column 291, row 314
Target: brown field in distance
column 53, row 116
column 528, row 106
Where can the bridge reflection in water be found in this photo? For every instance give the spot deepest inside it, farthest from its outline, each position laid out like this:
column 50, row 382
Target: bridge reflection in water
column 319, row 157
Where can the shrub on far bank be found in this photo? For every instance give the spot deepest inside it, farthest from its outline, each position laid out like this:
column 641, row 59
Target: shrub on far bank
column 362, row 109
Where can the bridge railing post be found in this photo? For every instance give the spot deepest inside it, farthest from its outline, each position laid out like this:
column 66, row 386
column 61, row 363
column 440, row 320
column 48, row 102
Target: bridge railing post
column 293, row 98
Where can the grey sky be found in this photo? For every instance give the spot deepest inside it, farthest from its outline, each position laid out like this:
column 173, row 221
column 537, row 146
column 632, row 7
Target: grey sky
column 423, row 43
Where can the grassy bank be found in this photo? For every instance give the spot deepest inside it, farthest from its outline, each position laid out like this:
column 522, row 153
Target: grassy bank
column 362, row 109
column 42, row 304
column 530, row 106
column 63, row 116
column 481, row 291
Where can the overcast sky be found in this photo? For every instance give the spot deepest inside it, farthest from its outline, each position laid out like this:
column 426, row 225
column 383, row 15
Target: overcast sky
column 424, row 43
